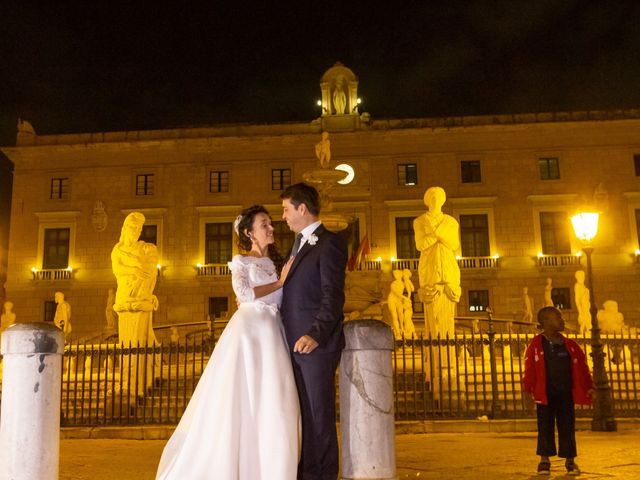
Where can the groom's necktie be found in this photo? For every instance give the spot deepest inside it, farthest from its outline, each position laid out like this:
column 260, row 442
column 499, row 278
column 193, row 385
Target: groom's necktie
column 296, row 245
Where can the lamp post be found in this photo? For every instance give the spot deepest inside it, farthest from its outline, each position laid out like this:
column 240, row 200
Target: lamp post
column 585, row 226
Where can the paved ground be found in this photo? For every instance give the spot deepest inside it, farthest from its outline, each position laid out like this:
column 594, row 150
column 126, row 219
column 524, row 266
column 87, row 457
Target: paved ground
column 478, row 456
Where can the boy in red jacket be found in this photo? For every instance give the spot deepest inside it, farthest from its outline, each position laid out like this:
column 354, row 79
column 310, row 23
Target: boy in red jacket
column 556, row 376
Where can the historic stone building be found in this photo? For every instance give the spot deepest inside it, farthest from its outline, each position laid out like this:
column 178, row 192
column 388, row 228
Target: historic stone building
column 511, row 180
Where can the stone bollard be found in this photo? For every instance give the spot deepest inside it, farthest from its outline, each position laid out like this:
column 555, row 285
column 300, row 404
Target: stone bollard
column 367, row 425
column 30, row 414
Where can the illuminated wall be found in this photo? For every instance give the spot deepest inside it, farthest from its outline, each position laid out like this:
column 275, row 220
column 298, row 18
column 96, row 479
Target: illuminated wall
column 500, row 167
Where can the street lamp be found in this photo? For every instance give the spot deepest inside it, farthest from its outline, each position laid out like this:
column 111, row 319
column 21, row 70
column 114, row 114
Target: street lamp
column 585, row 226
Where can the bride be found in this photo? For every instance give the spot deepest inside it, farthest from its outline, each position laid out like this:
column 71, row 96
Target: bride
column 243, row 421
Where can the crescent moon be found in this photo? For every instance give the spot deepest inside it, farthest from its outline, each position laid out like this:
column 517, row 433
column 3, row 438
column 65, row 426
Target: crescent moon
column 344, row 167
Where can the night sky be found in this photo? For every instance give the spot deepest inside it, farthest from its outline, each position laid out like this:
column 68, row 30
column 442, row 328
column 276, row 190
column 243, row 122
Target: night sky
column 95, row 66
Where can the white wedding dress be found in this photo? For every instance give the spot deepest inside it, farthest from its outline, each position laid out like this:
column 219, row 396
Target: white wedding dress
column 243, row 421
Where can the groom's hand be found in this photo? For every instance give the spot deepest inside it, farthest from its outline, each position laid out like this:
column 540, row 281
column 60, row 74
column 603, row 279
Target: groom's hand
column 305, row 345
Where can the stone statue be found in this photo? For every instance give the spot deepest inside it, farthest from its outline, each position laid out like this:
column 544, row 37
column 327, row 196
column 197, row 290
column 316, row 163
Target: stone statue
column 8, row 316
column 408, row 328
column 175, row 335
column 110, row 315
column 134, row 266
column 548, row 288
column 339, row 97
column 62, row 317
column 610, row 320
column 323, row 150
column 437, row 239
column 583, row 302
column 395, row 302
column 528, row 306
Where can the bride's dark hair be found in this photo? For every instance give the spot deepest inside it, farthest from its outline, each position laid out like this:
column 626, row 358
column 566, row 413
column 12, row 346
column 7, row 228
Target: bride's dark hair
column 244, row 224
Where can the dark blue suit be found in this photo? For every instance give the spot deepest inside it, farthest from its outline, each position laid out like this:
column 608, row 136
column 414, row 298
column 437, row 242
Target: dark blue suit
column 313, row 305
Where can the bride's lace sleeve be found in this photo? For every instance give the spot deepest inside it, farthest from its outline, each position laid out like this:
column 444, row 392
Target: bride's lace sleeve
column 240, row 280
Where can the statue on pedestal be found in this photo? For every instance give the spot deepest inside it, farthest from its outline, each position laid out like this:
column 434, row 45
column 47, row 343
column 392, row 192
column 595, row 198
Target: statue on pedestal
column 437, row 239
column 62, row 317
column 339, row 97
column 583, row 302
column 134, row 265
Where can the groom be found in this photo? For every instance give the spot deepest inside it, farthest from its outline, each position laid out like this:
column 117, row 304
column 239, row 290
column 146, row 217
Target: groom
column 312, row 312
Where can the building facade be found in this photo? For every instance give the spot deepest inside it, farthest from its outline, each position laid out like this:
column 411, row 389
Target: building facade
column 512, row 181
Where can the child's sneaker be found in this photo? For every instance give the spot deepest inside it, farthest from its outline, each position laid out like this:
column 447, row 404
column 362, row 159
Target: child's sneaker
column 544, row 468
column 572, row 467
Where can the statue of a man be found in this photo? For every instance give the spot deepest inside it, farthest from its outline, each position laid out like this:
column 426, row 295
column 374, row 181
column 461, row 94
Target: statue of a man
column 583, row 302
column 62, row 317
column 134, row 265
column 437, row 239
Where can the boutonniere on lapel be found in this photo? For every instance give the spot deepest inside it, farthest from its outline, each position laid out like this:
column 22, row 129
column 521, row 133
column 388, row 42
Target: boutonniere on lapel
column 312, row 239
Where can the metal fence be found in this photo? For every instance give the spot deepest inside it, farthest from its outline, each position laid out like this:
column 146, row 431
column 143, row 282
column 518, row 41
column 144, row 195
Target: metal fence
column 467, row 376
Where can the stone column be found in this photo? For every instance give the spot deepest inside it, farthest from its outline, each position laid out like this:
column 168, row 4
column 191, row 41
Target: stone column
column 367, row 425
column 30, row 415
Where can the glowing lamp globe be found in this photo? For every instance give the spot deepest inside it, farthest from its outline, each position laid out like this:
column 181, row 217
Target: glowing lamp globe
column 585, row 225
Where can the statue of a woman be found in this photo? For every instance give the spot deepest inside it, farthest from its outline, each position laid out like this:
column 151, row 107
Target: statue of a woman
column 339, row 97
column 134, row 265
column 437, row 239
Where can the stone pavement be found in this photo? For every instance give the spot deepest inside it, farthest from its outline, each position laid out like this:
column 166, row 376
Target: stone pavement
column 475, row 455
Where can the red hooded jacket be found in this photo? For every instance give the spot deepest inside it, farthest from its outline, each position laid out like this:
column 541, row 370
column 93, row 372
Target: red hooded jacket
column 535, row 375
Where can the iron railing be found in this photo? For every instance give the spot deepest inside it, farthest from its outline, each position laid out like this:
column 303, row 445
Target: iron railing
column 468, row 375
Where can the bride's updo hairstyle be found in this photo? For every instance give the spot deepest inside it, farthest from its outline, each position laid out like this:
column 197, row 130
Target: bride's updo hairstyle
column 244, row 224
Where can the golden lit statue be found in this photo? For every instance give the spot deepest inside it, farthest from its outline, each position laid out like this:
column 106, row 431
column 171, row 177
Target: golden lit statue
column 408, row 328
column 134, row 265
column 437, row 239
column 62, row 317
column 548, row 290
column 323, row 150
column 583, row 302
column 395, row 303
column 8, row 316
column 339, row 97
column 527, row 305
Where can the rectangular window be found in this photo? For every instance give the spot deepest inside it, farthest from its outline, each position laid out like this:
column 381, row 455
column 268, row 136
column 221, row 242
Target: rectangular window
column 474, row 235
column 283, row 235
column 59, row 189
column 149, row 234
column 549, row 168
column 470, row 171
column 280, row 178
column 407, row 174
column 218, row 307
column 405, row 238
column 56, row 248
column 555, row 233
column 478, row 300
column 561, row 298
column 144, row 184
column 636, row 164
column 49, row 310
column 218, row 243
column 218, row 182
